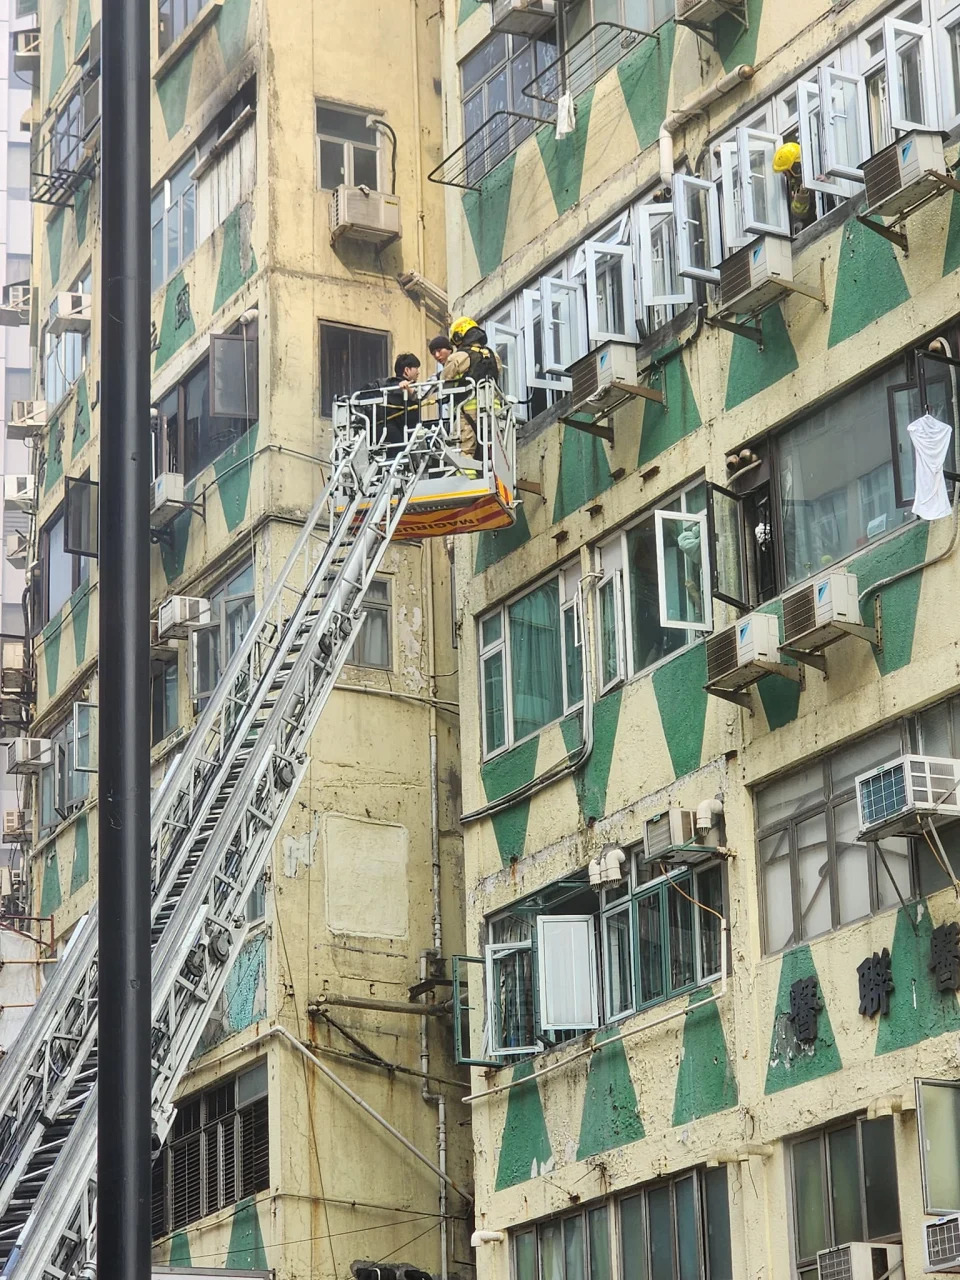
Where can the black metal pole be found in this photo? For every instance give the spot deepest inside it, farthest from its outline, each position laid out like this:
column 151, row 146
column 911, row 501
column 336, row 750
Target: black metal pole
column 123, row 1162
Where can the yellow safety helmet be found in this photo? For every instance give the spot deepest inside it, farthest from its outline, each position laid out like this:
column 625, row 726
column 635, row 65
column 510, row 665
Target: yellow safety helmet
column 462, row 328
column 786, row 157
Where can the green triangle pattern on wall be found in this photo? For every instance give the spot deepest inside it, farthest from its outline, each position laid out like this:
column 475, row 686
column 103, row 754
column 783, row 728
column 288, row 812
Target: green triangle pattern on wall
column 467, row 9
column 58, row 60
column 53, row 470
column 173, row 551
column 644, row 76
column 682, row 703
column 180, row 1251
column 951, row 253
column 238, row 262
column 83, row 25
column 51, row 635
column 735, row 44
column 80, row 613
column 610, row 1116
column 494, row 544
column 486, row 212
column 81, row 420
column 525, row 1149
column 173, row 91
column 173, row 332
column 706, row 1082
column 789, row 1063
column 869, row 282
column 584, row 471
column 55, row 245
column 81, row 855
column 918, row 1011
column 246, row 1252
column 51, row 899
column 81, row 205
column 752, row 370
column 233, row 470
column 563, row 157
column 665, row 424
column 901, row 600
column 232, row 25
column 591, row 779
column 500, row 776
column 779, row 695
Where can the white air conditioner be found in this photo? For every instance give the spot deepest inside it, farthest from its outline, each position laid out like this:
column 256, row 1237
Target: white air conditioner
column 892, row 798
column 178, row 614
column 524, row 17
column 166, row 496
column 27, row 417
column 28, row 755
column 13, row 678
column 858, row 1261
column 70, row 313
column 26, row 49
column 16, row 295
column 821, row 611
column 942, row 1244
column 740, row 655
column 17, row 549
column 706, row 10
column 600, row 380
column 900, row 175
column 666, row 835
column 753, row 278
column 20, row 491
column 362, row 214
column 15, row 824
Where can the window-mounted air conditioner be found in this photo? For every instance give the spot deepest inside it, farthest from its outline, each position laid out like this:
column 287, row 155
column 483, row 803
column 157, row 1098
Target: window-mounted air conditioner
column 362, row 214
column 899, row 176
column 524, row 17
column 755, row 276
column 858, row 1261
column 740, row 655
column 667, row 835
column 20, row 491
column 603, row 379
column 26, row 49
column 16, row 825
column 706, row 10
column 892, row 798
column 17, row 549
column 16, row 295
column 70, row 313
column 178, row 614
column 942, row 1244
column 28, row 755
column 166, row 496
column 26, row 418
column 13, row 678
column 821, row 611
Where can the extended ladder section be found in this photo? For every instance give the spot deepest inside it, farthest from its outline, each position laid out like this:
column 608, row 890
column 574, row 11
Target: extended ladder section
column 214, row 820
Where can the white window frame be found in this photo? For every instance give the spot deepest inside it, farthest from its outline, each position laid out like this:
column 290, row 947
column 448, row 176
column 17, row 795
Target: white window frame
column 91, row 737
column 826, row 76
column 748, row 139
column 503, row 333
column 661, row 516
column 570, row 602
column 570, row 297
column 892, row 28
column 581, row 936
column 611, row 566
column 923, row 1142
column 593, row 249
column 348, row 144
column 685, row 228
column 647, row 214
column 485, row 652
column 492, row 953
column 734, row 234
column 811, row 122
column 949, row 96
column 532, row 302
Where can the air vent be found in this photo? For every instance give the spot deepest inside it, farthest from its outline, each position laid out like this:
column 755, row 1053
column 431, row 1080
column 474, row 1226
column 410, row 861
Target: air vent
column 881, row 175
column 721, row 653
column 943, row 1244
column 799, row 613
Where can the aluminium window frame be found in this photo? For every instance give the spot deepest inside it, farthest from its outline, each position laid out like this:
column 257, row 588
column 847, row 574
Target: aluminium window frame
column 348, row 144
column 370, row 607
column 919, row 1083
column 219, row 625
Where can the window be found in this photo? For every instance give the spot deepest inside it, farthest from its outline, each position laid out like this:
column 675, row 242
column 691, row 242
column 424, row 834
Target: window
column 81, row 516
column 576, row 1247
column 63, row 786
column 234, row 374
column 373, row 647
column 66, row 141
column 938, row 1122
column 640, row 15
column 60, row 572
column 174, row 16
column 844, row 1188
column 173, row 222
column 348, row 149
column 213, row 645
column 218, row 1151
column 531, row 670
column 164, row 698
column 66, row 354
column 899, row 75
column 349, row 360
column 492, row 80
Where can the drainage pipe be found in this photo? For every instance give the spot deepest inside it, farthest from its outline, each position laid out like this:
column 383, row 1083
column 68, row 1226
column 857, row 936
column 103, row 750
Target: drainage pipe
column 695, row 106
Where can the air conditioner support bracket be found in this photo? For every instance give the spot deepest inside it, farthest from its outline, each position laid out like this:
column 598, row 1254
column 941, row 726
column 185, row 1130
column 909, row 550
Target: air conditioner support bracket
column 739, row 696
column 899, row 238
column 809, row 291
column 629, row 391
column 754, row 332
column 736, row 10
column 818, row 659
column 806, row 657
column 943, row 182
column 530, row 486
column 163, row 533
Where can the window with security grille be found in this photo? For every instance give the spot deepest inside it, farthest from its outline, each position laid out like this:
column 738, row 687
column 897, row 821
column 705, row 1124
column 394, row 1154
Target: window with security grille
column 217, row 1152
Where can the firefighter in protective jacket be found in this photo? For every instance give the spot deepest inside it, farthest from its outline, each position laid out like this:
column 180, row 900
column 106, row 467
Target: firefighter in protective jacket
column 472, row 362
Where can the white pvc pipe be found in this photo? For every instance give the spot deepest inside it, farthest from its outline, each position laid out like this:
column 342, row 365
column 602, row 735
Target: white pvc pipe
column 695, row 106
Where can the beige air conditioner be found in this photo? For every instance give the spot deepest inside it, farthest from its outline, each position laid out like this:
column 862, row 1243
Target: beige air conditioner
column 821, row 612
column 604, row 379
column 900, row 176
column 26, row 418
column 20, row 491
column 894, row 797
column 942, row 1244
column 166, row 496
column 26, row 50
column 70, row 313
column 524, row 17
column 706, row 10
column 178, row 614
column 361, row 214
column 16, row 824
column 756, row 276
column 859, row 1261
column 666, row 835
column 28, row 755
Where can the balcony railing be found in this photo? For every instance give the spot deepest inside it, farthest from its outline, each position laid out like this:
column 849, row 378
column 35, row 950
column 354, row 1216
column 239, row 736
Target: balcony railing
column 59, row 166
column 485, row 148
column 586, row 61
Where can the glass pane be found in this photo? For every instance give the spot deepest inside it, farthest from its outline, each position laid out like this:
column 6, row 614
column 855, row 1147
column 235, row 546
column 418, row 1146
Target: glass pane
column 609, row 649
column 790, row 795
column 513, row 999
column 844, row 112
column 365, row 168
column 573, row 1248
column 551, row 1251
column 718, row 1224
column 853, row 879
column 599, row 1245
column 808, row 1198
column 618, row 962
column 611, row 314
column 574, row 658
column 494, row 724
column 661, row 1233
column 849, row 762
column 482, row 61
column 727, row 546
column 680, row 912
column 372, row 648
column 777, row 891
column 534, row 624
column 878, row 111
column 633, row 1241
column 845, row 1185
column 567, row 970
column 683, row 586
column 710, row 893
column 761, row 178
column 333, row 171
column 910, row 71
column 651, row 642
column 694, row 211
column 939, row 1146
column 688, row 1235
column 491, row 629
column 880, row 1176
column 525, row 1255
column 650, row 947
column 59, row 569
column 813, row 866
column 349, row 125
column 894, row 866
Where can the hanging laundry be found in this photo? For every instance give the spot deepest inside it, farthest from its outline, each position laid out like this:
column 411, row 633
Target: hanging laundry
column 931, row 439
column 566, row 116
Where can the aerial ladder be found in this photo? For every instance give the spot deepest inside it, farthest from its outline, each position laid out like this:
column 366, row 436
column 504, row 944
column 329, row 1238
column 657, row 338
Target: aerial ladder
column 216, row 815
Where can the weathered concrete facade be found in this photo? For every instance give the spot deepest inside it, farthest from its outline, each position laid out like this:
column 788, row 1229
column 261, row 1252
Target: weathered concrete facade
column 619, row 1116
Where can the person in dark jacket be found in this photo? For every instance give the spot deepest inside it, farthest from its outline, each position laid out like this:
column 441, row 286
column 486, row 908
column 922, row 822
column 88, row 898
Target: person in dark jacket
column 472, row 361
column 403, row 404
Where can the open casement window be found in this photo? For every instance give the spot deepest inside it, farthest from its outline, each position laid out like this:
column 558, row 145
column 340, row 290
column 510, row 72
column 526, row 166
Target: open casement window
column 725, row 528
column 534, row 346
column 812, row 142
column 933, row 391
column 508, row 344
column 470, row 1028
column 911, row 86
column 734, row 235
column 660, row 282
column 60, row 771
column 683, row 570
column 845, row 132
column 562, row 339
column 493, row 684
column 765, row 205
column 234, row 374
column 699, row 248
column 571, row 639
column 85, row 737
column 938, row 1122
column 612, row 660
column 611, row 303
column 511, row 998
column 204, row 659
column 567, row 973
column 81, row 516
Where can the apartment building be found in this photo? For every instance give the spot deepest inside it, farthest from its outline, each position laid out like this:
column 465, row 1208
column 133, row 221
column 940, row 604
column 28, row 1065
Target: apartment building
column 289, row 163
column 709, row 993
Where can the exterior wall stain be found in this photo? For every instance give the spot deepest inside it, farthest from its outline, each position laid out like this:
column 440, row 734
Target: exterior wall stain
column 232, row 25
column 238, row 262
column 790, row 1062
column 611, row 1117
column 917, row 1010
column 525, row 1150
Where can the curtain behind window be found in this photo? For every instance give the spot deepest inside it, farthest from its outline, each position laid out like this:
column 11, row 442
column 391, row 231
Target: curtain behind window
column 536, row 677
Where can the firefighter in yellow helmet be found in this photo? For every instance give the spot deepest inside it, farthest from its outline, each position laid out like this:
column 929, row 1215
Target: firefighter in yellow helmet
column 472, row 361
column 803, row 209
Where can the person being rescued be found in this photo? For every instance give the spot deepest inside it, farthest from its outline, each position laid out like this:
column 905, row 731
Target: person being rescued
column 402, row 411
column 472, row 361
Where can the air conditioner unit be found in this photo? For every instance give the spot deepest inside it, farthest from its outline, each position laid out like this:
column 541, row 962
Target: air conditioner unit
column 603, row 379
column 900, row 175
column 892, row 798
column 13, row 678
column 166, row 496
column 740, row 655
column 362, row 214
column 858, row 1261
column 28, row 755
column 26, row 49
column 754, row 277
column 178, row 614
column 820, row 612
column 17, row 295
column 20, row 491
column 17, row 549
column 15, row 824
column 524, row 17
column 703, row 11
column 27, row 417
column 942, row 1244
column 666, row 835
column 70, row 313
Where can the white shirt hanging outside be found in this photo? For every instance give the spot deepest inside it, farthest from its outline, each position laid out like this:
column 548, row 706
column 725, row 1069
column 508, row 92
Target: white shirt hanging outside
column 931, row 439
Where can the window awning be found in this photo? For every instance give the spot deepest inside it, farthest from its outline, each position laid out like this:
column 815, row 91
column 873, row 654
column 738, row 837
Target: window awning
column 497, row 138
column 586, row 61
